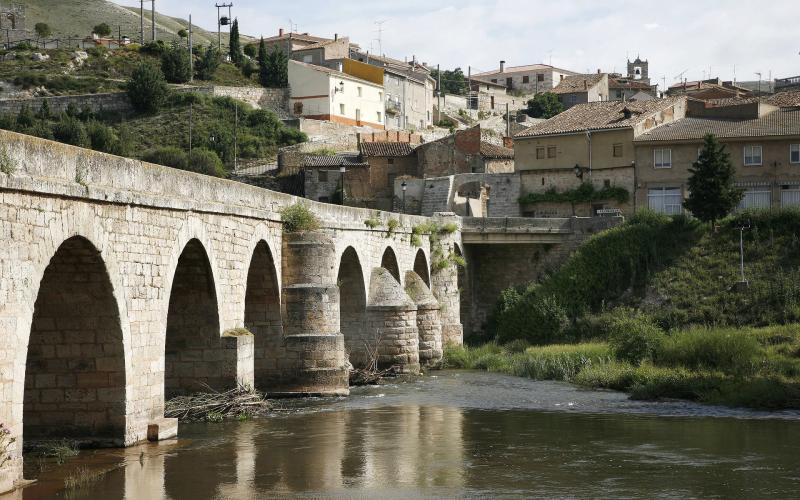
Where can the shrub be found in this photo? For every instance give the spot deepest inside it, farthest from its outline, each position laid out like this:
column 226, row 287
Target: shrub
column 298, row 217
column 40, row 129
column 154, row 48
column 70, row 130
column 205, row 161
column 175, row 64
column 169, row 156
column 727, row 349
column 102, row 29
column 634, row 337
column 147, row 89
column 536, row 317
column 207, row 64
column 25, row 117
column 103, row 138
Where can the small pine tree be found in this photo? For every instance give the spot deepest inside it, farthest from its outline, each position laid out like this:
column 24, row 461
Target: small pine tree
column 712, row 193
column 235, row 45
column 544, row 105
column 102, row 30
column 42, row 30
column 263, row 70
column 208, row 64
column 175, row 64
column 278, row 69
column 147, row 88
column 44, row 110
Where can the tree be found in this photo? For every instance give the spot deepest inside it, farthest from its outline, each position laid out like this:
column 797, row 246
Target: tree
column 251, row 50
column 208, row 64
column 175, row 64
column 544, row 105
column 712, row 193
column 183, row 33
column 42, row 30
column 102, row 30
column 453, row 82
column 235, row 45
column 263, row 70
column 147, row 88
column 277, row 70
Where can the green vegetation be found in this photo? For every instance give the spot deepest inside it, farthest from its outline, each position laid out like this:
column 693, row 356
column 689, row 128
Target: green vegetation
column 757, row 368
column 712, row 192
column 102, row 30
column 391, row 227
column 453, row 81
column 273, row 68
column 544, row 105
column 147, row 88
column 299, row 217
column 175, row 64
column 42, row 30
column 235, row 45
column 373, row 222
column 585, row 193
column 82, row 477
column 435, row 231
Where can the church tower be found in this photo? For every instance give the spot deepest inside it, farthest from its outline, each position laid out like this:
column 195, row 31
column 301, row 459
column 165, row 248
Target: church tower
column 639, row 70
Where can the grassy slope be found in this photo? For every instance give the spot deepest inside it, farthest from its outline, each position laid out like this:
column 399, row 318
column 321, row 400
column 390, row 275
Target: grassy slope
column 77, row 17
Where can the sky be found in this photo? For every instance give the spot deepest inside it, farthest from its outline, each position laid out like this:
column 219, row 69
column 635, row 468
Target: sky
column 695, row 38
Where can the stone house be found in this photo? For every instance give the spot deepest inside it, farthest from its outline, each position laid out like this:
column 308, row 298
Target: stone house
column 289, row 42
column 625, row 89
column 529, row 79
column 713, row 88
column 577, row 89
column 322, row 93
column 322, row 178
column 322, row 52
column 387, row 162
column 763, row 141
column 591, row 142
column 463, row 152
column 493, row 98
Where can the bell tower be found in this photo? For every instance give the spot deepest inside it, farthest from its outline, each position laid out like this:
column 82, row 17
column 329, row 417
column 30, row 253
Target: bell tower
column 639, row 70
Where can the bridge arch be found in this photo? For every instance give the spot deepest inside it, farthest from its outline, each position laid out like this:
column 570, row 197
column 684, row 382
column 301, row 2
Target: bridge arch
column 352, row 305
column 194, row 352
column 422, row 268
column 262, row 314
column 77, row 359
column 389, row 262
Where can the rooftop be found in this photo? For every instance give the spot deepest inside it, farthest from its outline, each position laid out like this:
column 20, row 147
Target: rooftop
column 347, row 160
column 578, row 83
column 386, row 149
column 524, row 69
column 784, row 122
column 599, row 116
column 330, row 71
column 495, row 152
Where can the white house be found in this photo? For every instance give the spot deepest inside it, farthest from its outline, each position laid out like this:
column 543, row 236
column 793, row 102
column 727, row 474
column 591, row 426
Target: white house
column 322, row 93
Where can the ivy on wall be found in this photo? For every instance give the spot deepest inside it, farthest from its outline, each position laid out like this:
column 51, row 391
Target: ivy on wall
column 585, row 193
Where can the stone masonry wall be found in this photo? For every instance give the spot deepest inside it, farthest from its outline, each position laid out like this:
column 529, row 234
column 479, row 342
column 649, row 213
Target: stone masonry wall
column 111, row 102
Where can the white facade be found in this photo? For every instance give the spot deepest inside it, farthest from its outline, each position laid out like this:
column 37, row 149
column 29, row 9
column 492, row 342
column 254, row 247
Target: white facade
column 324, row 94
column 409, row 102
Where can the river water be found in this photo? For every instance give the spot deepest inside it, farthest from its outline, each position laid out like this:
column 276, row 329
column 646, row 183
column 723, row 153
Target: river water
column 459, row 434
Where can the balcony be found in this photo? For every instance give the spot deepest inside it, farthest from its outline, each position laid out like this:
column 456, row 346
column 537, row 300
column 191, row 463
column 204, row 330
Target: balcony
column 393, row 107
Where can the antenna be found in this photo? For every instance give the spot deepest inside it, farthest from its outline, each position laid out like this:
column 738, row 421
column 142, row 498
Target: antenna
column 679, row 76
column 758, row 73
column 379, row 24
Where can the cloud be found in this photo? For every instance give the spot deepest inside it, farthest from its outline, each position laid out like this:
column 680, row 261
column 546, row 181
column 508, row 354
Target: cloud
column 578, row 34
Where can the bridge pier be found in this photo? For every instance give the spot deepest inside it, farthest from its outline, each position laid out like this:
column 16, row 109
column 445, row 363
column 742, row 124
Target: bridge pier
column 313, row 342
column 392, row 323
column 429, row 324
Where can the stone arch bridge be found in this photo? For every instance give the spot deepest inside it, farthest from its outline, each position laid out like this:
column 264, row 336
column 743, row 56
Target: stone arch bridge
column 124, row 283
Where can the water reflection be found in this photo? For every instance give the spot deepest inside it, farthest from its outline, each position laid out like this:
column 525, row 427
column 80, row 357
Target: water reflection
column 401, row 444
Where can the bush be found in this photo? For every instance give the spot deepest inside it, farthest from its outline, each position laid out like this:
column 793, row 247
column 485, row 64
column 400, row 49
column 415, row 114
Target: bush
column 635, row 337
column 205, row 161
column 169, row 156
column 103, row 138
column 207, row 64
column 154, row 48
column 70, row 130
column 175, row 64
column 147, row 89
column 298, row 217
column 726, row 349
column 536, row 317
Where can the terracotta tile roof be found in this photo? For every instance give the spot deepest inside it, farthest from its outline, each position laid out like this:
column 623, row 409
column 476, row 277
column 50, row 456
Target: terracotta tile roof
column 495, row 152
column 305, row 37
column 788, row 99
column 613, row 83
column 386, row 149
column 784, row 122
column 599, row 116
column 334, row 161
column 577, row 83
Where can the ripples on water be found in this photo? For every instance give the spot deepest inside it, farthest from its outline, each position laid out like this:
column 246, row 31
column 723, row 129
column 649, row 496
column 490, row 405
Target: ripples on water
column 462, row 434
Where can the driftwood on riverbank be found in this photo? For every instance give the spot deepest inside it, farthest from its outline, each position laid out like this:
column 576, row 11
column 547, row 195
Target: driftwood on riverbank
column 215, row 406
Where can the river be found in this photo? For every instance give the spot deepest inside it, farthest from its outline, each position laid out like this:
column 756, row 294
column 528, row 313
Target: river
column 459, row 434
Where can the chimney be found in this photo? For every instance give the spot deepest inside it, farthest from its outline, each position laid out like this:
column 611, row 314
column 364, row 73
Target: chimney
column 280, row 32
column 336, row 36
column 502, row 66
column 585, row 85
column 598, row 71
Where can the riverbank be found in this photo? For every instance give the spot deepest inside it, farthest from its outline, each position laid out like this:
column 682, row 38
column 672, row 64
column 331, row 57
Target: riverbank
column 747, row 367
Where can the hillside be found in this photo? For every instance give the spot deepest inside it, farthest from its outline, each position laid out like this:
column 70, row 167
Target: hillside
column 77, row 17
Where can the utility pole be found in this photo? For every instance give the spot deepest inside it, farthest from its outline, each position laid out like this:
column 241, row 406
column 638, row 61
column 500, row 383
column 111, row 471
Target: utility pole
column 508, row 122
column 469, row 90
column 191, row 49
column 439, row 91
column 141, row 22
column 191, row 109
column 236, row 137
column 219, row 22
column 153, row 18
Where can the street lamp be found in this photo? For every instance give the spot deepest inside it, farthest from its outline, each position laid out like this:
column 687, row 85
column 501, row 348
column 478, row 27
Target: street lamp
column 404, row 185
column 579, row 171
column 342, row 170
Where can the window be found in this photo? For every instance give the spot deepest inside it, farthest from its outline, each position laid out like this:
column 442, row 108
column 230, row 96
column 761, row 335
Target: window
column 665, row 200
column 380, row 96
column 308, row 58
column 756, row 198
column 790, row 196
column 662, row 158
column 526, row 79
column 379, row 116
column 617, row 150
column 752, row 155
column 341, row 109
column 494, row 80
column 606, row 183
column 540, row 77
column 551, row 151
column 509, row 82
column 539, row 153
column 390, row 161
column 359, row 91
column 794, row 153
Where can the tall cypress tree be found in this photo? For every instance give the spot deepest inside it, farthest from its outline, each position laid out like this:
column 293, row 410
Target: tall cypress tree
column 235, row 45
column 712, row 193
column 278, row 66
column 263, row 70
